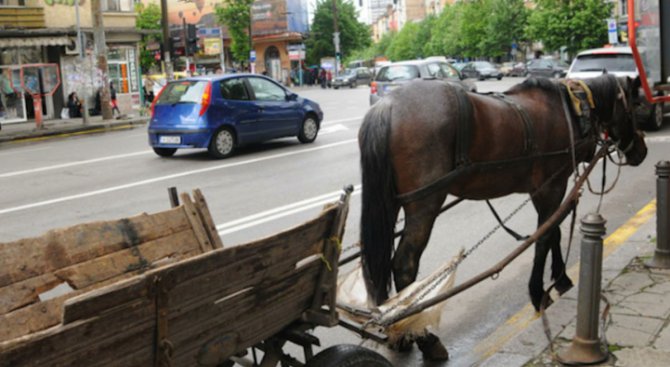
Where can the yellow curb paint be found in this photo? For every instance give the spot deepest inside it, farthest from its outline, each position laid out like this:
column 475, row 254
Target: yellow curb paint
column 64, row 135
column 520, row 321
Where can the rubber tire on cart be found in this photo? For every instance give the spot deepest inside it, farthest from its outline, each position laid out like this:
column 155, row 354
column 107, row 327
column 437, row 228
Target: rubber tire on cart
column 348, row 355
column 655, row 121
column 308, row 130
column 222, row 144
column 165, row 152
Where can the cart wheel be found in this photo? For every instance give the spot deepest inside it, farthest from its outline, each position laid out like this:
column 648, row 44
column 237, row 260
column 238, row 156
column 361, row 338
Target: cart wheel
column 348, row 355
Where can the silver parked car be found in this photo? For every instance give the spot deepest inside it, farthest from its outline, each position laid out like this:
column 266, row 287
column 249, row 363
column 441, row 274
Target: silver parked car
column 618, row 61
column 396, row 74
column 353, row 77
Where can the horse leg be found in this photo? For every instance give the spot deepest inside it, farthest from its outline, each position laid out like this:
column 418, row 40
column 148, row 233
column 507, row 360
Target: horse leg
column 561, row 280
column 419, row 219
column 546, row 202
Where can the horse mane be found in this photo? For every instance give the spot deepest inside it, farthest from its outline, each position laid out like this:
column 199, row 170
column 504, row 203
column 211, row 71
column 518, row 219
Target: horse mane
column 546, row 85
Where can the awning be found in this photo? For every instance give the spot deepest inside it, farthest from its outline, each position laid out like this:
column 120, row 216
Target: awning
column 35, row 41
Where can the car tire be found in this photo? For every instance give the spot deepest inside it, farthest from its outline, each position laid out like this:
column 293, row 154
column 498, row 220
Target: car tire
column 499, row 77
column 480, row 77
column 165, row 152
column 557, row 75
column 222, row 144
column 655, row 121
column 336, row 87
column 308, row 130
column 353, row 85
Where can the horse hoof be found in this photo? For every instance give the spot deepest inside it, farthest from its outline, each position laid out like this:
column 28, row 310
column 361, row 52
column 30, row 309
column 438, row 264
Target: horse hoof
column 403, row 345
column 563, row 285
column 432, row 348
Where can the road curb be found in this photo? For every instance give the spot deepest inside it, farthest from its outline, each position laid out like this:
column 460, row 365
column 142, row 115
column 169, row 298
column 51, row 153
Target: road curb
column 522, row 337
column 55, row 131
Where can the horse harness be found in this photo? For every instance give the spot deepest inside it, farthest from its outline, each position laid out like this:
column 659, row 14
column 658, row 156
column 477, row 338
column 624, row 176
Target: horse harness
column 582, row 102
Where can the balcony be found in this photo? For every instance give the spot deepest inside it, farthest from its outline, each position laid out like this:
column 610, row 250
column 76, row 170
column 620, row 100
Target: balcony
column 21, row 17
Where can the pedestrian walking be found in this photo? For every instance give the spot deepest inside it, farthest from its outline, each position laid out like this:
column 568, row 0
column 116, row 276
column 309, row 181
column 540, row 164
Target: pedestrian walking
column 112, row 94
column 323, row 78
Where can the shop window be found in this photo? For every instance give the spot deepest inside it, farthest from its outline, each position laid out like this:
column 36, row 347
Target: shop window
column 12, row 2
column 117, row 5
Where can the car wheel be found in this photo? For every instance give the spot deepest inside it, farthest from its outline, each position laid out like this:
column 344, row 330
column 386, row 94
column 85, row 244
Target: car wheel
column 309, row 130
column 557, row 75
column 165, row 152
column 656, row 117
column 480, row 77
column 499, row 77
column 347, row 355
column 336, row 87
column 353, row 84
column 222, row 144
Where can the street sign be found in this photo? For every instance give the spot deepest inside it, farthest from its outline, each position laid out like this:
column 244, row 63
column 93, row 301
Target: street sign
column 612, row 31
column 252, row 56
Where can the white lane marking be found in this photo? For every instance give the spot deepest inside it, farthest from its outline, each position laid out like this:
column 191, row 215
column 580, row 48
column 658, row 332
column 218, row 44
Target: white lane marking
column 342, row 120
column 172, row 176
column 657, row 139
column 333, row 129
column 65, row 165
column 279, row 212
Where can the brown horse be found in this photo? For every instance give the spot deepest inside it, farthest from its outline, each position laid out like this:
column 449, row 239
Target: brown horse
column 431, row 138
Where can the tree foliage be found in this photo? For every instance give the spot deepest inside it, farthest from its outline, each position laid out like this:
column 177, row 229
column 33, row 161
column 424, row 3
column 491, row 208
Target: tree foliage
column 574, row 24
column 148, row 17
column 354, row 35
column 236, row 16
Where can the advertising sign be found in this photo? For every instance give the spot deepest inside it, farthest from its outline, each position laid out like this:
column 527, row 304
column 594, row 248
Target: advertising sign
column 212, row 46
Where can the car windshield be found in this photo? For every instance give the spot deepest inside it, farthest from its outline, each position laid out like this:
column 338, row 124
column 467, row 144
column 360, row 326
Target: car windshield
column 183, row 91
column 398, row 72
column 483, row 64
column 609, row 62
column 348, row 72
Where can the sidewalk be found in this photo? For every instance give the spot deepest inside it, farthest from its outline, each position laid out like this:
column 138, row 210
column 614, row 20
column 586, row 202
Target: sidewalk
column 28, row 130
column 639, row 331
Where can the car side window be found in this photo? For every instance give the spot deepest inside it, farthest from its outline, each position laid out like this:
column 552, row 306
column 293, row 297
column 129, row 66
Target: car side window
column 434, row 70
column 448, row 71
column 234, row 89
column 266, row 90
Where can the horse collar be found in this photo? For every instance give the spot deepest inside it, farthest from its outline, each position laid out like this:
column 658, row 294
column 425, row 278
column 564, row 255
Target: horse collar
column 582, row 103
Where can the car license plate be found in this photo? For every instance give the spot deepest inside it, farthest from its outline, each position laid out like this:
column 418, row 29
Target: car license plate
column 170, row 140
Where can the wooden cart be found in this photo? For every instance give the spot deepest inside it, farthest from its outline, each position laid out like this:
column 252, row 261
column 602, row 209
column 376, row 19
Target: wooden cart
column 161, row 290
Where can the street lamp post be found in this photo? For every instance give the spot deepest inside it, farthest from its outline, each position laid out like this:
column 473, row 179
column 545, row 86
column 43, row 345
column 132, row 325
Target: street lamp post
column 80, row 40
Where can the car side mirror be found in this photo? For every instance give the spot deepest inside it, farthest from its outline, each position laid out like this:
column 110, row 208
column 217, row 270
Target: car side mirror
column 291, row 96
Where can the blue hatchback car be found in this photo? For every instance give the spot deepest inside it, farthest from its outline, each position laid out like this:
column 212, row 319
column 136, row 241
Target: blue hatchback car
column 223, row 112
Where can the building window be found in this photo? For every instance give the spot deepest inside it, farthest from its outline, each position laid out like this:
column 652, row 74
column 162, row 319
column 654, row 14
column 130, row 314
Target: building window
column 117, row 5
column 12, row 2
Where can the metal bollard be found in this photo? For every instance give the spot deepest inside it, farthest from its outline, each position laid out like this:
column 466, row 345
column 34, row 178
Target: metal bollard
column 586, row 347
column 661, row 257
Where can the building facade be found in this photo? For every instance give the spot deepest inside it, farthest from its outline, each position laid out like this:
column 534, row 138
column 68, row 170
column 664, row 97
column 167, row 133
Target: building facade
column 45, row 32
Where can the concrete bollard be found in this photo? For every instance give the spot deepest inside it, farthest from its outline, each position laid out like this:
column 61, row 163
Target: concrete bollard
column 661, row 257
column 586, row 347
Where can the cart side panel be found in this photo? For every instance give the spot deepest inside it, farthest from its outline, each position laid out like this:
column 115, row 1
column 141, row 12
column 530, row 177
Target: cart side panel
column 123, row 336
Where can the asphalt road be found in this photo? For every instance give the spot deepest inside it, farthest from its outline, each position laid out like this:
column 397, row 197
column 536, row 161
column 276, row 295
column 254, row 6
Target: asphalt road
column 269, row 187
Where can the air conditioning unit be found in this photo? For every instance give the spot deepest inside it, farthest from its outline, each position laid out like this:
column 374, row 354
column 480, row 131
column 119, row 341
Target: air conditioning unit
column 73, row 47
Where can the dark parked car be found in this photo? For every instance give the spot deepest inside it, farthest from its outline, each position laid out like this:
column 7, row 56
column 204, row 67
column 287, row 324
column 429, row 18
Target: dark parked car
column 481, row 70
column 396, row 74
column 618, row 61
column 547, row 68
column 353, row 78
column 223, row 112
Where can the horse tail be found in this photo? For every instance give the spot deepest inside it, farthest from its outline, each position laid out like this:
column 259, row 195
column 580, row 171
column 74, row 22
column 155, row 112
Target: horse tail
column 379, row 205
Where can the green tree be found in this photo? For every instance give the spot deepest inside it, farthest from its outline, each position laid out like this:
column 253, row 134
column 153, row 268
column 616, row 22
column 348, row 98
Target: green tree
column 574, row 24
column 354, row 35
column 148, row 17
column 506, row 25
column 236, row 15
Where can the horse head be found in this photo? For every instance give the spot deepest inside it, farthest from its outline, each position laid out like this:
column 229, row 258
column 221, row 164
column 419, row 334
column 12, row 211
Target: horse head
column 616, row 115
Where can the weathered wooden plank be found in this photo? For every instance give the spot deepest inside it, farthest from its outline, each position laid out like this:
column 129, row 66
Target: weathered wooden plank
column 206, row 216
column 25, row 292
column 32, row 318
column 102, row 340
column 91, row 304
column 251, row 316
column 196, row 223
column 64, row 247
column 134, row 260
